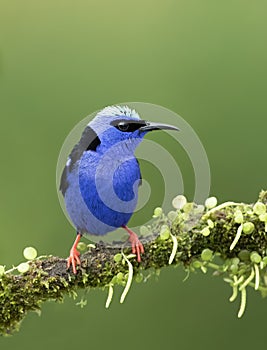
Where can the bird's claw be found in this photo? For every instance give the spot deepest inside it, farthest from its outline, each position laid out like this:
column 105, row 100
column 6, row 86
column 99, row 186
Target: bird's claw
column 137, row 246
column 73, row 260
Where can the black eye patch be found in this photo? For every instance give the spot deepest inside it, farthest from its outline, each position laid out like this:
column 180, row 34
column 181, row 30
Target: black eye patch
column 125, row 125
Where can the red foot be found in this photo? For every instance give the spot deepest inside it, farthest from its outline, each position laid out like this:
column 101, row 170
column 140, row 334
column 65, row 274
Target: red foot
column 137, row 246
column 74, row 259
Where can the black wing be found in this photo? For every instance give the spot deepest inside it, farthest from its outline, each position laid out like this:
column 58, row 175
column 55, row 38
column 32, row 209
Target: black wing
column 140, row 180
column 88, row 142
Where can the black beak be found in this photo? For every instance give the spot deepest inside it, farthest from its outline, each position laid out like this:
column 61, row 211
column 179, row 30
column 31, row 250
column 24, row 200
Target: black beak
column 150, row 126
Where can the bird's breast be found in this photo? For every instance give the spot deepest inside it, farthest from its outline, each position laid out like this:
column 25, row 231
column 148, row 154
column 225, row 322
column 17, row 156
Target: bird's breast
column 108, row 188
column 113, row 180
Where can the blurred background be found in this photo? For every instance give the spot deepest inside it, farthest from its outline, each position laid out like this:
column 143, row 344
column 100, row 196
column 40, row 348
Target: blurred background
column 62, row 60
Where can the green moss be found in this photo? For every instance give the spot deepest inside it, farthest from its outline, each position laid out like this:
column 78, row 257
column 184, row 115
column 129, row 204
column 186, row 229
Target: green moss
column 243, row 266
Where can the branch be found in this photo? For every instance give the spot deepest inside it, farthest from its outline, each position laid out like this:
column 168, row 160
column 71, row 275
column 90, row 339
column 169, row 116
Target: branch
column 229, row 239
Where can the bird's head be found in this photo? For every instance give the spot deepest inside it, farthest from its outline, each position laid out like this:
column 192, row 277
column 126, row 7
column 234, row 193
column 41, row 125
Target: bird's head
column 116, row 129
column 120, row 124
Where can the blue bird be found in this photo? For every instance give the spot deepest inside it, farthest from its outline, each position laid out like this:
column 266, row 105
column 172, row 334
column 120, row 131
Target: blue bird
column 101, row 178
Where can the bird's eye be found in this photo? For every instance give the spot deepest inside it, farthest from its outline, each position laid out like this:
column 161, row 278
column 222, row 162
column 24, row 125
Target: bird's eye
column 126, row 125
column 123, row 126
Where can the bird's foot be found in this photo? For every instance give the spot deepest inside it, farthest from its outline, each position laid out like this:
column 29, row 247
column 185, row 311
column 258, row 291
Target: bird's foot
column 74, row 258
column 137, row 246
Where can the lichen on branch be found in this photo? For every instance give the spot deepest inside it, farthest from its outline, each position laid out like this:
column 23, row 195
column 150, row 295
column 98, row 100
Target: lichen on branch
column 230, row 239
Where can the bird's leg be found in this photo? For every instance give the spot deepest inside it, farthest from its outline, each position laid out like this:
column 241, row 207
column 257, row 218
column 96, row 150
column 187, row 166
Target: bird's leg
column 137, row 246
column 74, row 259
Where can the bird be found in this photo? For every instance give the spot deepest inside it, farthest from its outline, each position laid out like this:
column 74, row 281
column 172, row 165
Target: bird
column 101, row 178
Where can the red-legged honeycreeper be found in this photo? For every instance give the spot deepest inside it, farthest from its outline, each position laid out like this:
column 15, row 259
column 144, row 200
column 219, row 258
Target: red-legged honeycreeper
column 101, row 177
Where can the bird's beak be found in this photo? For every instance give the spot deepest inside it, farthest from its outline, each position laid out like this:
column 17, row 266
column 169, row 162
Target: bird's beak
column 150, row 126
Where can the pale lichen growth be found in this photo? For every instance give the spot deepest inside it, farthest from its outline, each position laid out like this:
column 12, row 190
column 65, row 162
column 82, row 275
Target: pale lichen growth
column 248, row 280
column 237, row 236
column 29, row 253
column 211, row 202
column 192, row 236
column 243, row 303
column 110, row 295
column 220, row 207
column 174, row 249
column 129, row 280
column 257, row 276
column 179, row 202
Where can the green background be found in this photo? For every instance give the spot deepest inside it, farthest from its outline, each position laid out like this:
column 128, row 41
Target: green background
column 62, row 60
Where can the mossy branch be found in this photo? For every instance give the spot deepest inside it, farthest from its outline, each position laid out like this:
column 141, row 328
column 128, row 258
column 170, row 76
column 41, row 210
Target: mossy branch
column 230, row 239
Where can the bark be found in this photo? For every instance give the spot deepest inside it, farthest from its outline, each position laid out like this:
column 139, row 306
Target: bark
column 229, row 239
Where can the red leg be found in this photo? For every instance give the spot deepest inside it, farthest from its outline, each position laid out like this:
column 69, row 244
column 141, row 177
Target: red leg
column 74, row 259
column 137, row 246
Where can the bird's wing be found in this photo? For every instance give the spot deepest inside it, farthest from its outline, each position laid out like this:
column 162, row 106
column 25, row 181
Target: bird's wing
column 63, row 181
column 88, row 142
column 140, row 181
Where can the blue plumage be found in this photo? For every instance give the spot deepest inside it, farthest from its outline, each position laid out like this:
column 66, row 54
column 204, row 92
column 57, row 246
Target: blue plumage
column 101, row 177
